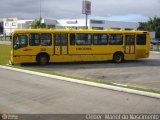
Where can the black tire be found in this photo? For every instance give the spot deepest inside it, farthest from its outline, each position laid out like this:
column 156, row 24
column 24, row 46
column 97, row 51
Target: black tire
column 42, row 59
column 118, row 57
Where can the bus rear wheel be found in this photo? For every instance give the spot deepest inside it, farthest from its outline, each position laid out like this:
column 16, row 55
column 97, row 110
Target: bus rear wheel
column 118, row 57
column 42, row 59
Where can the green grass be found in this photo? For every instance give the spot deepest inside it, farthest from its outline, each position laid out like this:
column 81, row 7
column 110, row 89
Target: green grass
column 4, row 54
column 144, row 89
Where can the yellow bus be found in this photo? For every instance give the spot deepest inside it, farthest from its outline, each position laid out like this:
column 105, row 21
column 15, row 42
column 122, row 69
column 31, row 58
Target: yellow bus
column 51, row 45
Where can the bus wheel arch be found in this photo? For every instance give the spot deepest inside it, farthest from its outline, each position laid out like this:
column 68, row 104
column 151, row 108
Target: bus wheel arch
column 42, row 58
column 118, row 57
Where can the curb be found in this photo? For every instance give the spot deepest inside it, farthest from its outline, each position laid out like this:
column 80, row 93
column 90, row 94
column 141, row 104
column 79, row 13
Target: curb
column 110, row 87
column 155, row 52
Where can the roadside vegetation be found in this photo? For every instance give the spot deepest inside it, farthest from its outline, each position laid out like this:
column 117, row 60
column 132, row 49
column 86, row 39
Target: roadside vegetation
column 4, row 54
column 152, row 25
column 37, row 23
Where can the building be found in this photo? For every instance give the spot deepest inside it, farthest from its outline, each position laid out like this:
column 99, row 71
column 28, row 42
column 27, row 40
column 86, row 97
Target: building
column 11, row 24
column 95, row 24
column 50, row 23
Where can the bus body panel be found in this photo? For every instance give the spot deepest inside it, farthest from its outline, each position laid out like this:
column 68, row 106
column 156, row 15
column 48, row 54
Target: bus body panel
column 80, row 58
column 71, row 53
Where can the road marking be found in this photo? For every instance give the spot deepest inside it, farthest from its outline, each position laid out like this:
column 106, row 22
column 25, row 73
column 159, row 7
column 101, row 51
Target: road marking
column 110, row 87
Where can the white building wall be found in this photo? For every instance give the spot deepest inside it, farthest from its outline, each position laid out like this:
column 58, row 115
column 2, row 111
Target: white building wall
column 50, row 23
column 71, row 23
column 120, row 24
column 24, row 24
column 95, row 24
column 11, row 24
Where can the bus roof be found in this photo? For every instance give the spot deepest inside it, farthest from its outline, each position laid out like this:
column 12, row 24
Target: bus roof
column 78, row 31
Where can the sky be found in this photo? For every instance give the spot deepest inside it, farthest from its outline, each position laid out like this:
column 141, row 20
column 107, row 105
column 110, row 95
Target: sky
column 118, row 10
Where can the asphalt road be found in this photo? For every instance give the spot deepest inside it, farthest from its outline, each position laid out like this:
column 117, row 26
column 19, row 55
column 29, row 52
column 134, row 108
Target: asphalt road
column 25, row 93
column 142, row 72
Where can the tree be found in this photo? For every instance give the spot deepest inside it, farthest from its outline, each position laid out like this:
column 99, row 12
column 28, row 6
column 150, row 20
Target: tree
column 37, row 23
column 152, row 25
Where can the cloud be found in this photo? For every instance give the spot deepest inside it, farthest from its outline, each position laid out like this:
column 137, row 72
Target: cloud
column 125, row 7
column 58, row 9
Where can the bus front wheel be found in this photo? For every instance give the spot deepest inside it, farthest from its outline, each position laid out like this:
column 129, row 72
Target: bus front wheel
column 118, row 57
column 42, row 59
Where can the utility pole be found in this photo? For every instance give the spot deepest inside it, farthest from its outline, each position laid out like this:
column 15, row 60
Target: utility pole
column 86, row 21
column 40, row 17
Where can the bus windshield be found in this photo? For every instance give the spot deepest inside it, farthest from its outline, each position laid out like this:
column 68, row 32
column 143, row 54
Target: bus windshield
column 20, row 41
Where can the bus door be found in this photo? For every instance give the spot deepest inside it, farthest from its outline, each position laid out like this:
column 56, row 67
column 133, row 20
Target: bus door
column 129, row 44
column 61, row 44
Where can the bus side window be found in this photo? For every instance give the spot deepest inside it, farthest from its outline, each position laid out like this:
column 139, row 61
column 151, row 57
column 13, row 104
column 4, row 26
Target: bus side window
column 64, row 39
column 141, row 39
column 129, row 39
column 46, row 39
column 83, row 39
column 115, row 39
column 61, row 39
column 72, row 39
column 57, row 39
column 100, row 39
column 34, row 39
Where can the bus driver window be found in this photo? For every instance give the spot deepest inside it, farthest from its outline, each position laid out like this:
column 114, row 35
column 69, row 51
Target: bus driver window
column 20, row 41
